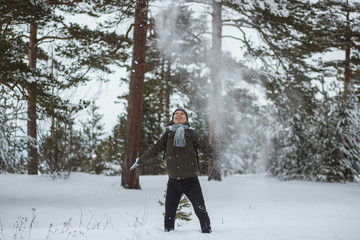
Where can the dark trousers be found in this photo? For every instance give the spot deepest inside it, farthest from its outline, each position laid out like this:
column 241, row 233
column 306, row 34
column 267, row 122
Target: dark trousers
column 191, row 188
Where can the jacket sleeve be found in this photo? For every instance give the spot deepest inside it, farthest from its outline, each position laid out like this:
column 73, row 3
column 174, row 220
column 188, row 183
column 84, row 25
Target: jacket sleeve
column 155, row 149
column 204, row 146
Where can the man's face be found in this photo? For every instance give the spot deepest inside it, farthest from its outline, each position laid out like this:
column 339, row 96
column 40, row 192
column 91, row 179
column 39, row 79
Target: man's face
column 179, row 117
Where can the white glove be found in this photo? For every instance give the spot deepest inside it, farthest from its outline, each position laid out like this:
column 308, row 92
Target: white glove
column 136, row 164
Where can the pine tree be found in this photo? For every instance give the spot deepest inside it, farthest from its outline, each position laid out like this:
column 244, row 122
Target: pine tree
column 12, row 140
column 247, row 132
column 78, row 50
column 337, row 140
column 92, row 131
column 343, row 35
column 294, row 99
column 108, row 156
column 113, row 147
column 292, row 32
column 61, row 148
column 328, row 129
column 61, row 151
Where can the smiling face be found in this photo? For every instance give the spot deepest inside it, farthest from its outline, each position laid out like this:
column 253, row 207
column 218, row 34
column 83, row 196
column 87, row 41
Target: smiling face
column 179, row 117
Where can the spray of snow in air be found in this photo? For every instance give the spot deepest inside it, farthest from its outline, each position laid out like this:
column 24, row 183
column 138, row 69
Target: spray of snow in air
column 244, row 129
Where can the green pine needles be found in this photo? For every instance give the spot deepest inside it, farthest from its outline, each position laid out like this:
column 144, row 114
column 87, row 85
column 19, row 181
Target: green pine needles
column 181, row 213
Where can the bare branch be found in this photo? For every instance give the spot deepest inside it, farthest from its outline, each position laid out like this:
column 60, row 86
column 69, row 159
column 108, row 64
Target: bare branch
column 191, row 34
column 230, row 36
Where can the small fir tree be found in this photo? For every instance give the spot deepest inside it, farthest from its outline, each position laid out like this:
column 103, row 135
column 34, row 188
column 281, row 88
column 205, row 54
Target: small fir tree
column 93, row 131
column 181, row 214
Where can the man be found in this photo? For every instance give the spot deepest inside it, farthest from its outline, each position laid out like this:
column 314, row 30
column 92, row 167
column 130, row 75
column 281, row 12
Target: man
column 179, row 145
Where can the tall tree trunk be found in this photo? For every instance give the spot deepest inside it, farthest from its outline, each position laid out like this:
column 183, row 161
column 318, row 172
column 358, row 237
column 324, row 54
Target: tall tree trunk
column 130, row 179
column 53, row 127
column 31, row 109
column 166, row 78
column 162, row 94
column 167, row 92
column 347, row 72
column 215, row 92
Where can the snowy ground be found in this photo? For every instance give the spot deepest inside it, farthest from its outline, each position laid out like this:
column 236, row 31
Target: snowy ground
column 248, row 207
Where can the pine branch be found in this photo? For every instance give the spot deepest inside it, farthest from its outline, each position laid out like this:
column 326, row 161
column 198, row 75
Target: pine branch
column 55, row 38
column 49, row 2
column 8, row 85
column 190, row 33
column 124, row 39
column 272, row 47
column 235, row 23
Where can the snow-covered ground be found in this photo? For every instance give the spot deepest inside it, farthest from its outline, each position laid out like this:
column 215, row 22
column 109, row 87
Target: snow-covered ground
column 92, row 207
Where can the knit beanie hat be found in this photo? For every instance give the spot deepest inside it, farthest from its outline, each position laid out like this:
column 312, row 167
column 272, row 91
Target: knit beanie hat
column 180, row 109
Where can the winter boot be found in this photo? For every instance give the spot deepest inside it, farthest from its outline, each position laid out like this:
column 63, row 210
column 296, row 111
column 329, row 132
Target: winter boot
column 169, row 224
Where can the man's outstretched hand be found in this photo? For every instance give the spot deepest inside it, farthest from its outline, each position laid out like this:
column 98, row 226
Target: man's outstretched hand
column 136, row 164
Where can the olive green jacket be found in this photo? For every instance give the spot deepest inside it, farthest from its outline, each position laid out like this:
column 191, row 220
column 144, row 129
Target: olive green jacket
column 181, row 162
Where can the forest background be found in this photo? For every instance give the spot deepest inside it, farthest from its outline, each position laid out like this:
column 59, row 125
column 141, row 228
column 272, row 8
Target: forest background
column 283, row 97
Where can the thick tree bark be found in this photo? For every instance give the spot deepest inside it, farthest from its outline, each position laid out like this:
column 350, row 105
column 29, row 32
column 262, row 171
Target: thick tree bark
column 31, row 109
column 215, row 92
column 130, row 179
